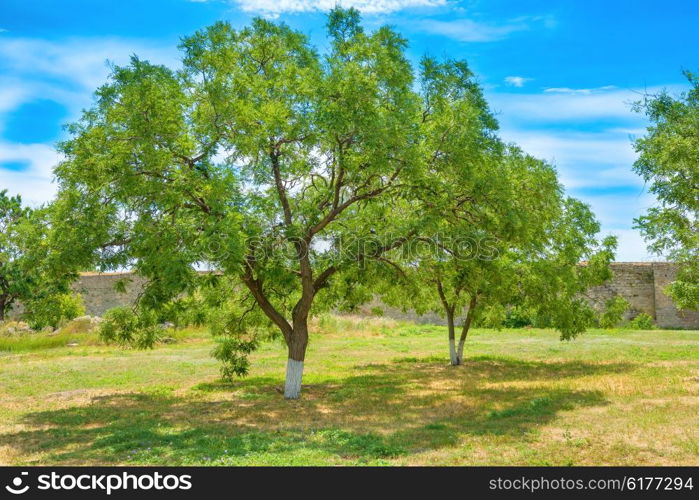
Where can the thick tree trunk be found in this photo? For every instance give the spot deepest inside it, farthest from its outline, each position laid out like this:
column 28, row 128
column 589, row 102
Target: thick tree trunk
column 294, row 374
column 465, row 329
column 294, row 364
column 295, row 334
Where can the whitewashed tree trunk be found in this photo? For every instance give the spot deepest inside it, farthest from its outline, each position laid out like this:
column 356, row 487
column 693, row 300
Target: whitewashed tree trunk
column 464, row 331
column 452, row 352
column 294, row 373
column 460, row 351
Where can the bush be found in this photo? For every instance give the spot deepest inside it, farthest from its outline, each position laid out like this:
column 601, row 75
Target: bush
column 517, row 317
column 125, row 326
column 377, row 311
column 233, row 354
column 613, row 312
column 53, row 310
column 643, row 321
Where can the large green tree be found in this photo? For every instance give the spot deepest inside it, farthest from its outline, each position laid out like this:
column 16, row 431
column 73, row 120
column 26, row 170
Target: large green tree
column 255, row 158
column 669, row 162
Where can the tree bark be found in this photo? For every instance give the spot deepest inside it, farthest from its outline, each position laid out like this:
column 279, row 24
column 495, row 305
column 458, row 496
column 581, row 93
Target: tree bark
column 465, row 329
column 3, row 305
column 449, row 309
column 452, row 338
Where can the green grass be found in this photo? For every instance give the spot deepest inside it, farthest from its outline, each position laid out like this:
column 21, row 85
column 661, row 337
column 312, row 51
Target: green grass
column 375, row 392
column 39, row 341
column 67, row 337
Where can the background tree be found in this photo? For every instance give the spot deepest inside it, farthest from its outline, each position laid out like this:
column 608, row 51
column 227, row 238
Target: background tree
column 669, row 161
column 30, row 272
column 496, row 230
column 17, row 276
column 554, row 276
column 477, row 273
column 255, row 158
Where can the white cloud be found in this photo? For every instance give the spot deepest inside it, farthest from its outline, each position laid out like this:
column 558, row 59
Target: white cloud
column 64, row 71
column 569, row 105
column 568, row 90
column 468, row 30
column 633, row 248
column 80, row 61
column 516, row 81
column 548, row 106
column 276, row 7
column 12, row 94
column 35, row 182
column 631, row 132
column 587, row 135
column 608, row 157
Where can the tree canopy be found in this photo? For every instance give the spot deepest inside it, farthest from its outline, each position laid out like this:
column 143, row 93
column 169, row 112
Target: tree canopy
column 669, row 162
column 496, row 230
column 254, row 158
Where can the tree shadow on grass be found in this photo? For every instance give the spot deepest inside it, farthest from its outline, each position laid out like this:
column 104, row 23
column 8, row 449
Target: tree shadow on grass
column 387, row 411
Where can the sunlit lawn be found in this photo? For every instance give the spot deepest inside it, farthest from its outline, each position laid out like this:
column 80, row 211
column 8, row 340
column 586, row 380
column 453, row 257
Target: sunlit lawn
column 376, row 392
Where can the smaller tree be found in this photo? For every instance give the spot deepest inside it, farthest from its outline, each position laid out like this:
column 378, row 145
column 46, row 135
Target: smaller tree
column 30, row 269
column 21, row 232
column 669, row 161
column 496, row 229
column 14, row 280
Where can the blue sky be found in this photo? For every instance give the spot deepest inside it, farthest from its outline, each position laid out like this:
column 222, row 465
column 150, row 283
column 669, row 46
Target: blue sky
column 561, row 75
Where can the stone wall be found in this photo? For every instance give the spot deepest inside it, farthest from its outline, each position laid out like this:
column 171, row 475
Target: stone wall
column 666, row 314
column 641, row 283
column 99, row 290
column 635, row 282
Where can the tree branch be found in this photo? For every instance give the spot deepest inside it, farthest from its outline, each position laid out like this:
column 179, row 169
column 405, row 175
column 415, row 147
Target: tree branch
column 255, row 287
column 279, row 183
column 323, row 277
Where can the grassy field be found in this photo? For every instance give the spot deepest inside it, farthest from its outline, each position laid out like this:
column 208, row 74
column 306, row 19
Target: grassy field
column 376, row 392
